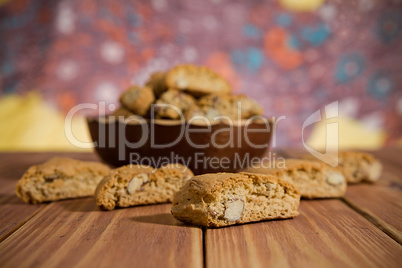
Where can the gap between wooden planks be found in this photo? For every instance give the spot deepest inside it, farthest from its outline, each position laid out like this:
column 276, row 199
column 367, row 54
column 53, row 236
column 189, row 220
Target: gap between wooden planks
column 381, row 202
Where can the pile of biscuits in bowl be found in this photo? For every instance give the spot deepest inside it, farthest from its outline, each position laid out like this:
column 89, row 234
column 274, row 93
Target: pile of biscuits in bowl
column 188, row 113
column 187, row 92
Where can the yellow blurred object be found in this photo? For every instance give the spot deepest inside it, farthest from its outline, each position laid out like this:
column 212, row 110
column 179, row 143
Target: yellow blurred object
column 352, row 135
column 2, row 2
column 30, row 124
column 301, row 5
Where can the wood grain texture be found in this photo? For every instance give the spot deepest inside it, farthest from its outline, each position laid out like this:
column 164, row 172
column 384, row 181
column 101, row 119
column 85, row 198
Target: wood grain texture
column 381, row 202
column 14, row 212
column 326, row 234
column 74, row 233
column 391, row 155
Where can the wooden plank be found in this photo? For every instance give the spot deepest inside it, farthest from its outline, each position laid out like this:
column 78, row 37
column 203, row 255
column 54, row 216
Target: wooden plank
column 392, row 155
column 14, row 212
column 74, row 233
column 326, row 234
column 381, row 202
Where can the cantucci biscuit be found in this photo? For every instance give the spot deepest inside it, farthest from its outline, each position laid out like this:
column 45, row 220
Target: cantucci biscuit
column 197, row 80
column 357, row 166
column 60, row 178
column 138, row 99
column 313, row 179
column 223, row 199
column 133, row 185
column 157, row 82
column 173, row 104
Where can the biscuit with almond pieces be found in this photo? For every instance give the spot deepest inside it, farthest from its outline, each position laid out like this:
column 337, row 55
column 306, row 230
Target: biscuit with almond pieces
column 247, row 106
column 157, row 82
column 356, row 166
column 138, row 99
column 313, row 179
column 173, row 104
column 197, row 80
column 60, row 178
column 134, row 185
column 223, row 199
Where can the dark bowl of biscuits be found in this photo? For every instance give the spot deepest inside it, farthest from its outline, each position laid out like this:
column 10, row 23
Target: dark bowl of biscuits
column 185, row 115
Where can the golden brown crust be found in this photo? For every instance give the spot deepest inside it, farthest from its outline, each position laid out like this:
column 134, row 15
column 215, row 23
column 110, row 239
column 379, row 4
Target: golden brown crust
column 157, row 82
column 247, row 106
column 105, row 198
column 357, row 166
column 294, row 164
column 138, row 99
column 212, row 107
column 224, row 107
column 140, row 185
column 313, row 179
column 197, row 80
column 178, row 99
column 223, row 199
column 213, row 182
column 60, row 178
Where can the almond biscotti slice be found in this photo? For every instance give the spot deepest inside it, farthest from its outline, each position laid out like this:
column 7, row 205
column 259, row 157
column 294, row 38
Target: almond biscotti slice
column 223, row 199
column 157, row 81
column 133, row 185
column 60, row 178
column 138, row 99
column 172, row 104
column 313, row 179
column 212, row 107
column 197, row 80
column 357, row 166
column 247, row 106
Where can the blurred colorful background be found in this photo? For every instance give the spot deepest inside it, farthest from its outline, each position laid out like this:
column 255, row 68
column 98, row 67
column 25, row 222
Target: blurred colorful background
column 293, row 56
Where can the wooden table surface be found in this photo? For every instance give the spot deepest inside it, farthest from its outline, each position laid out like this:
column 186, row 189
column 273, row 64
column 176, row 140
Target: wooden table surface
column 364, row 229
